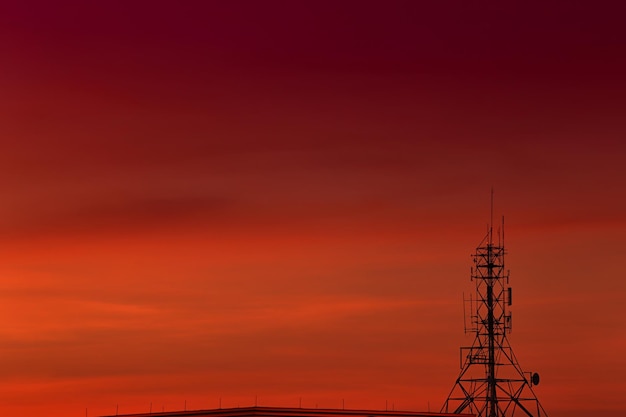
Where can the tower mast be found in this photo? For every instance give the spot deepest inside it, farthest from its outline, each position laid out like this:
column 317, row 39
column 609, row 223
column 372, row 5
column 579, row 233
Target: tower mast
column 491, row 382
column 491, row 261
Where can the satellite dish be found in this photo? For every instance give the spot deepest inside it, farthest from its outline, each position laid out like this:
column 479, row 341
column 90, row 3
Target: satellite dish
column 535, row 379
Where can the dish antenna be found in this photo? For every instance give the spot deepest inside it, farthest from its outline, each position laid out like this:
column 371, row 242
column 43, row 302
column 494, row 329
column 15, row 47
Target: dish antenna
column 535, row 379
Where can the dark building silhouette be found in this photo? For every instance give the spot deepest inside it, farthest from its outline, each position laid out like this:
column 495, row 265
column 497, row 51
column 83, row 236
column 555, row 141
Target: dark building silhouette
column 290, row 412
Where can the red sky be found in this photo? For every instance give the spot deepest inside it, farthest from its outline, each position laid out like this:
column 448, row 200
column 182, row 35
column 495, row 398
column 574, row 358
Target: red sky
column 279, row 199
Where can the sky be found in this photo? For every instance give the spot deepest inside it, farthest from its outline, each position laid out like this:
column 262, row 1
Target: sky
column 228, row 203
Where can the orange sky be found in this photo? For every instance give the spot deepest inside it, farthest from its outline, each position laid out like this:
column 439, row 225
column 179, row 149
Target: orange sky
column 279, row 200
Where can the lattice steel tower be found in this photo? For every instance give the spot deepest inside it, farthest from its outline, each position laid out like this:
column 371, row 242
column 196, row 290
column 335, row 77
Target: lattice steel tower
column 491, row 382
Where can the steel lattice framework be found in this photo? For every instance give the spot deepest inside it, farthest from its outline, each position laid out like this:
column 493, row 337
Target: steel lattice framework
column 491, row 382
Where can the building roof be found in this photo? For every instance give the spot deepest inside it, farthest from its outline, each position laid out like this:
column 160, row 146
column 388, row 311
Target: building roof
column 290, row 412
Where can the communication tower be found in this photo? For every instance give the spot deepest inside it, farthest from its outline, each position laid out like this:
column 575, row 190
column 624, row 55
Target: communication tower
column 491, row 382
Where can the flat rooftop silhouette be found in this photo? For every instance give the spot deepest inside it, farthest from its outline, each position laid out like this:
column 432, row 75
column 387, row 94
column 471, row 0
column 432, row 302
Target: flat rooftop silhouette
column 290, row 412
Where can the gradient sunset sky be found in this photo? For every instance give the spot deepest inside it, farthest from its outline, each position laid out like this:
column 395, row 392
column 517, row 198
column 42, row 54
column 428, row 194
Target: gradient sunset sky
column 279, row 199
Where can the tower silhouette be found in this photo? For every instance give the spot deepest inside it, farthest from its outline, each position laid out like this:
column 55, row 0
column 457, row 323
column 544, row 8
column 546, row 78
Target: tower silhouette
column 491, row 382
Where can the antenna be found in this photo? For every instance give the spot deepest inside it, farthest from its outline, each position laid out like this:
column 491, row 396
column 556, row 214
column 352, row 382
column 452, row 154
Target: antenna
column 492, row 382
column 491, row 219
column 503, row 229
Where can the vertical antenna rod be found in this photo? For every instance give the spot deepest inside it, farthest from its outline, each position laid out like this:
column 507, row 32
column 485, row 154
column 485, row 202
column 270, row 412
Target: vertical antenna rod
column 491, row 220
